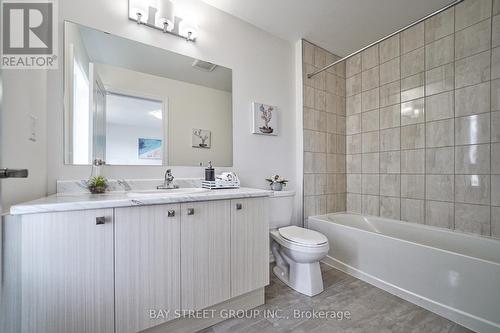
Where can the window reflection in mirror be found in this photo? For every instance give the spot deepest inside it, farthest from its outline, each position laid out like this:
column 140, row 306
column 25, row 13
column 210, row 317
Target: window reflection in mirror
column 129, row 103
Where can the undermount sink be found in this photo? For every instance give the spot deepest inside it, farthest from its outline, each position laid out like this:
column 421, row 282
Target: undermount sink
column 163, row 192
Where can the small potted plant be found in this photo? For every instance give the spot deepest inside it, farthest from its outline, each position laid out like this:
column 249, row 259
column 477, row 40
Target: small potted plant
column 277, row 182
column 97, row 185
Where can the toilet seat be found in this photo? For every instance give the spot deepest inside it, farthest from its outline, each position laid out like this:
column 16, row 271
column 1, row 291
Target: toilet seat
column 302, row 236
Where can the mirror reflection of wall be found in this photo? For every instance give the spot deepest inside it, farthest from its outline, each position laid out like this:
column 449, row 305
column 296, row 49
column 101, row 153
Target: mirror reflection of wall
column 133, row 104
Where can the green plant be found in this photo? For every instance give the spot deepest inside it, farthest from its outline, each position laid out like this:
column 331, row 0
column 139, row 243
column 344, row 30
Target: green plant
column 277, row 179
column 97, row 184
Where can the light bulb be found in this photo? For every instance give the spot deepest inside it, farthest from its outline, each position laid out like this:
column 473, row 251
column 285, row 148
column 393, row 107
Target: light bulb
column 166, row 19
column 188, row 29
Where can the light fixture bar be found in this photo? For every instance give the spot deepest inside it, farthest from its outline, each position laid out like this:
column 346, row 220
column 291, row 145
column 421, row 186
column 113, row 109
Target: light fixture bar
column 162, row 29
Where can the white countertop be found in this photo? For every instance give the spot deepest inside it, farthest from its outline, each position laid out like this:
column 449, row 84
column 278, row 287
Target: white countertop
column 82, row 201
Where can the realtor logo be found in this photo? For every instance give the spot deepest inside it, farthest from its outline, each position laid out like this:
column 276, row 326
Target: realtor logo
column 29, row 38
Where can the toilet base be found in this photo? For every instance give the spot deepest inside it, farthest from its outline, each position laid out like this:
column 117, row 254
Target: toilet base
column 304, row 278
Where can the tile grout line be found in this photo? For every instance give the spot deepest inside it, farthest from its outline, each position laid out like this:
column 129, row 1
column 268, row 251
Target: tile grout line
column 491, row 137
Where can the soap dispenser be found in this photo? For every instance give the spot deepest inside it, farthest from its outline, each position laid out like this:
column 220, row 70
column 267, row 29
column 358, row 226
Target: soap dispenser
column 210, row 172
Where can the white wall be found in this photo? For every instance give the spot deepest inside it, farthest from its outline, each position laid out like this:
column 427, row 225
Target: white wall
column 263, row 70
column 122, row 142
column 188, row 106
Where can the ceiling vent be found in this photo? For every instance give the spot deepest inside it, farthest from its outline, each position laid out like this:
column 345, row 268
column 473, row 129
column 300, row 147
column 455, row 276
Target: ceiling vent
column 204, row 65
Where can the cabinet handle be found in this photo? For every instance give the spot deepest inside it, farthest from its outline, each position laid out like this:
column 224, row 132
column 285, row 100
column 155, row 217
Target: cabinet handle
column 239, row 206
column 190, row 211
column 171, row 213
column 100, row 220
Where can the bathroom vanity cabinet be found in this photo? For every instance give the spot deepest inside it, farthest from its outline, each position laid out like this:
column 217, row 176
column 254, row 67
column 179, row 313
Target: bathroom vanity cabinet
column 105, row 269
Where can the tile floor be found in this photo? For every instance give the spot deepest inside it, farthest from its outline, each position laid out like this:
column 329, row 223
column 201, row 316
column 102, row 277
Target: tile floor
column 372, row 310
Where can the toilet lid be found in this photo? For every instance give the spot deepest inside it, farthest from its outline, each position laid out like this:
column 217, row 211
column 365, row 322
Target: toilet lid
column 302, row 236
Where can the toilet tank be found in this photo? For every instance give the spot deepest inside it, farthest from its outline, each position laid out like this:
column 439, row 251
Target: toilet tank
column 281, row 209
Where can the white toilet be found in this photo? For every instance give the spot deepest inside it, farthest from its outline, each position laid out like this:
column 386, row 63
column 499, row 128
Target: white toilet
column 297, row 251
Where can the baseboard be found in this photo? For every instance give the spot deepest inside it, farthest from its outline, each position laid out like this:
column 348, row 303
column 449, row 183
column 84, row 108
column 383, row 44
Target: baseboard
column 465, row 319
column 244, row 302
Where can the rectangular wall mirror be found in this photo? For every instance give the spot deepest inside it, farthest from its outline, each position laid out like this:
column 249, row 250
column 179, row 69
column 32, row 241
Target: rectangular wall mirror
column 129, row 103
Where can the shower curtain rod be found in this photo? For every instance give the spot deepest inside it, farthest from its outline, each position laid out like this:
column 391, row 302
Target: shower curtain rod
column 310, row 75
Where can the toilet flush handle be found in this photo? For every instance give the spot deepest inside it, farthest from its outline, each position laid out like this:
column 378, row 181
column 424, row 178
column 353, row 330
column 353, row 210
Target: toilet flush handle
column 239, row 206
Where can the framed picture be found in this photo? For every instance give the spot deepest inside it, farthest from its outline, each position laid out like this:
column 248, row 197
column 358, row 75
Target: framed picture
column 150, row 149
column 201, row 138
column 265, row 119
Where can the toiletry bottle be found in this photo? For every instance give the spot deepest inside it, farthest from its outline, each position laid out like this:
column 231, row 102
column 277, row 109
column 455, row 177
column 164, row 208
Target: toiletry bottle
column 210, row 172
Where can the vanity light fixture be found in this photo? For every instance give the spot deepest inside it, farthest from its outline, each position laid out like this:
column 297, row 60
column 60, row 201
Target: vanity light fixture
column 164, row 18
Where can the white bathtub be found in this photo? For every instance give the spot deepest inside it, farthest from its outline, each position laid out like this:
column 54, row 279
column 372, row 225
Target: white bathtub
column 452, row 274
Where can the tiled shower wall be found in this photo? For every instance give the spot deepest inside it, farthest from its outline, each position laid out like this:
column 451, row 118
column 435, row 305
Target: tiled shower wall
column 324, row 133
column 423, row 122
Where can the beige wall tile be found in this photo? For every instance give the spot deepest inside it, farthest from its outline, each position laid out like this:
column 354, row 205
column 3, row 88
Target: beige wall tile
column 440, row 79
column 413, row 161
column 495, row 126
column 439, row 160
column 439, row 106
column 473, row 159
column 390, row 207
column 308, row 53
column 495, row 63
column 390, row 116
column 495, row 190
column 353, row 144
column 495, row 222
column 353, row 125
column 319, row 57
column 308, row 97
column 369, row 58
column 495, row 158
column 413, row 186
column 472, row 40
column 353, row 163
column 439, row 187
column 413, row 136
column 319, row 100
column 370, row 78
column 389, row 49
column 353, row 85
column 370, row 163
column 390, row 71
column 472, row 129
column 370, row 184
column 370, row 205
column 495, row 95
column 472, row 70
column 353, row 65
column 412, row 210
column 472, row 99
column 412, row 87
column 413, row 62
column 331, row 143
column 390, row 139
column 496, row 7
column 440, row 52
column 473, row 218
column 390, row 94
column 390, row 185
column 354, row 183
column 474, row 189
column 413, row 112
column 370, row 142
column 331, row 123
column 353, row 104
column 495, row 31
column 440, row 133
column 440, row 25
column 390, row 162
column 370, row 121
column 412, row 38
column 354, row 203
column 439, row 214
column 370, row 100
column 471, row 11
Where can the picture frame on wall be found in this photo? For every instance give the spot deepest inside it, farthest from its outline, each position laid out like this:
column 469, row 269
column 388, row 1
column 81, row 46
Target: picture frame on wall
column 201, row 138
column 150, row 149
column 265, row 119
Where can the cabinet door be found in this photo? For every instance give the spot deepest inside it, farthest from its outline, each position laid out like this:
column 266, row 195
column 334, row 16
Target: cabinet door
column 67, row 272
column 147, row 265
column 249, row 245
column 205, row 253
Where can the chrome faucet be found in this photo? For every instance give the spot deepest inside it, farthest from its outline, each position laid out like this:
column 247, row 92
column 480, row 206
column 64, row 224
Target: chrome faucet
column 168, row 182
column 123, row 182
